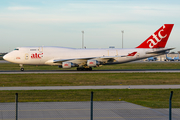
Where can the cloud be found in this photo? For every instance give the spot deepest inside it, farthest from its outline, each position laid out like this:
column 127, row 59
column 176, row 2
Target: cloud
column 88, row 13
column 21, row 8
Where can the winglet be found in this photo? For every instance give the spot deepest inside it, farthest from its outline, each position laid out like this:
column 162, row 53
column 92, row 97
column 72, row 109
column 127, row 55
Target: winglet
column 132, row 54
column 159, row 38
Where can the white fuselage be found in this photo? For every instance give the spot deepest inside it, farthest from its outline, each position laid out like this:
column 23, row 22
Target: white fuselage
column 47, row 55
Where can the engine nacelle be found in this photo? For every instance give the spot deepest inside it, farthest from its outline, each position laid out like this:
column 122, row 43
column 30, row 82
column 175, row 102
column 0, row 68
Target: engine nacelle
column 68, row 65
column 92, row 63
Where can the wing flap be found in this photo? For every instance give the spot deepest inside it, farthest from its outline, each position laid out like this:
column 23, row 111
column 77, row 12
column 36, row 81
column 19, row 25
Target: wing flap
column 75, row 59
column 103, row 58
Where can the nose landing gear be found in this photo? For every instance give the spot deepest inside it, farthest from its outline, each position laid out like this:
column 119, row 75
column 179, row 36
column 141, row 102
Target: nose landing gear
column 21, row 67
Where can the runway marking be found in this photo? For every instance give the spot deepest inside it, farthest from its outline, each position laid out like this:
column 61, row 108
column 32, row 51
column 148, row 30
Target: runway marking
column 93, row 87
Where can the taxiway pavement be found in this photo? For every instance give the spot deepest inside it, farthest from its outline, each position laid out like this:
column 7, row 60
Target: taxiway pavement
column 93, row 87
column 93, row 71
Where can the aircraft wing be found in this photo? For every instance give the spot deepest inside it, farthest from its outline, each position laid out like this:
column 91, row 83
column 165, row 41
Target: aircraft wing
column 160, row 51
column 113, row 58
column 83, row 61
column 75, row 59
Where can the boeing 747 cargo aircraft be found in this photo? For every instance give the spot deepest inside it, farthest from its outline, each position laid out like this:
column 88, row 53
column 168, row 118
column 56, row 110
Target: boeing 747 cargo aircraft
column 85, row 59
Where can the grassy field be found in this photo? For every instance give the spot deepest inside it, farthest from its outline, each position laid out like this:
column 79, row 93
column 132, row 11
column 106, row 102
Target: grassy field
column 134, row 65
column 150, row 98
column 92, row 78
column 89, row 79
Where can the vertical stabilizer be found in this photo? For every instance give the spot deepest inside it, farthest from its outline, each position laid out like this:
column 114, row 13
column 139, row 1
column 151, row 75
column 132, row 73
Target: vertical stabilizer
column 159, row 38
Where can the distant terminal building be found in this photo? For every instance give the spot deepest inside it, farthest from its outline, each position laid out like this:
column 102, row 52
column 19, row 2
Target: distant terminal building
column 2, row 54
column 111, row 46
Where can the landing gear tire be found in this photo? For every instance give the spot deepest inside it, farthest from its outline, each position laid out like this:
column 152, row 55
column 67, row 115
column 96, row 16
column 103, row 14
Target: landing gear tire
column 89, row 69
column 80, row 69
column 22, row 69
column 84, row 69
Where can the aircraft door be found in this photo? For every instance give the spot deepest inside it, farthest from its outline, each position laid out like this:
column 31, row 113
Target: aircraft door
column 26, row 56
column 112, row 52
column 41, row 49
column 40, row 55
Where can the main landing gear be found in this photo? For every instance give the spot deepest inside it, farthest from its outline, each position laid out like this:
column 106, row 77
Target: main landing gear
column 21, row 67
column 84, row 69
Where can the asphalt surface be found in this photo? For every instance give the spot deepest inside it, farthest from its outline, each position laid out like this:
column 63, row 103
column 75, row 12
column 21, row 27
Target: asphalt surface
column 93, row 71
column 93, row 87
column 110, row 110
column 106, row 110
column 3, row 61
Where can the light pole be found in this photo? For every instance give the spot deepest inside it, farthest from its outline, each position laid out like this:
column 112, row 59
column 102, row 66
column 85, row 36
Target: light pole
column 122, row 37
column 82, row 39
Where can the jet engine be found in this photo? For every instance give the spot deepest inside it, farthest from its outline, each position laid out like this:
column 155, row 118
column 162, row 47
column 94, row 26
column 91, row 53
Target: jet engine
column 68, row 65
column 93, row 63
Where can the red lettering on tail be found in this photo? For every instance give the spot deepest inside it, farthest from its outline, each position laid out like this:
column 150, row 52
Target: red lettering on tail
column 159, row 38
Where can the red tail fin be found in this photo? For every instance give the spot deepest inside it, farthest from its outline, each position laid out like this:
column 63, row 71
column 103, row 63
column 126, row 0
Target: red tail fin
column 159, row 38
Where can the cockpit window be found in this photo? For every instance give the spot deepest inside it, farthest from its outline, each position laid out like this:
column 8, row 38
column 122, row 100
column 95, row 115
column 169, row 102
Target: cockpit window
column 16, row 49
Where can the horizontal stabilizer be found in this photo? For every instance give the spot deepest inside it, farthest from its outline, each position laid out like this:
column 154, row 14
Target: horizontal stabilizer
column 160, row 51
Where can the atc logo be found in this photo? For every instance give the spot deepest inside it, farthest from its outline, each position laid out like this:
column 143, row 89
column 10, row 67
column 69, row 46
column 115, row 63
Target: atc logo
column 66, row 64
column 36, row 56
column 157, row 38
column 91, row 62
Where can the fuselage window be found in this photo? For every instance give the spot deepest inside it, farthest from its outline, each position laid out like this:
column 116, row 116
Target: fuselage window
column 32, row 49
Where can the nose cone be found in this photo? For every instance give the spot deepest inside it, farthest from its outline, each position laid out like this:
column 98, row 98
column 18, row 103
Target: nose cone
column 7, row 57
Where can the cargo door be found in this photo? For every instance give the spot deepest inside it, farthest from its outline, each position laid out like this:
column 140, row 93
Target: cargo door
column 40, row 55
column 26, row 56
column 112, row 52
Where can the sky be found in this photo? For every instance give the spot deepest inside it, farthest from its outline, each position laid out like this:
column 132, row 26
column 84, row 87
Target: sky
column 61, row 22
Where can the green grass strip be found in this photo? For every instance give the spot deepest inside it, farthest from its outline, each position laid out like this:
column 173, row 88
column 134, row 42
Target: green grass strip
column 89, row 79
column 153, row 98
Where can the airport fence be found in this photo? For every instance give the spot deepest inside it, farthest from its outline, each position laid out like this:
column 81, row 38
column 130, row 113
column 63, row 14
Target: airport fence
column 93, row 109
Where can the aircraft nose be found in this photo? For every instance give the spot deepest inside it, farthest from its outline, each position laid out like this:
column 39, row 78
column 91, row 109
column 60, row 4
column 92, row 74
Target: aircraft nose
column 7, row 57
